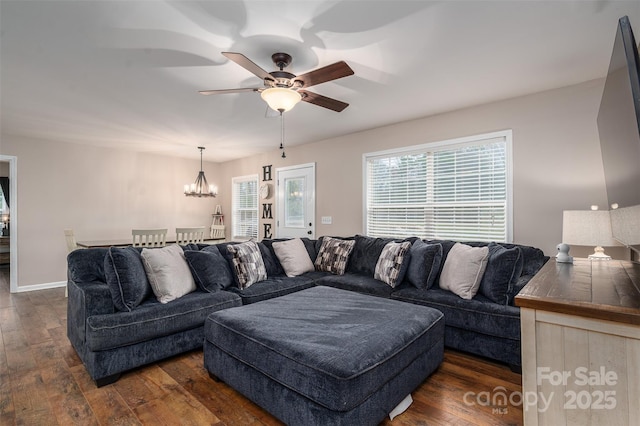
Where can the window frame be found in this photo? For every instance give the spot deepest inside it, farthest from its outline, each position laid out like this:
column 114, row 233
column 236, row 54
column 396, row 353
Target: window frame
column 456, row 143
column 234, row 198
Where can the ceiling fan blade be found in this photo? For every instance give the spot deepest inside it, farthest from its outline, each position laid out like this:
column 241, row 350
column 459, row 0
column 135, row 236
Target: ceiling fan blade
column 323, row 101
column 247, row 64
column 221, row 91
column 324, row 74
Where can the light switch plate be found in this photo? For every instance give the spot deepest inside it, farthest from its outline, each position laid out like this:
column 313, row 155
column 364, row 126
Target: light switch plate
column 327, row 220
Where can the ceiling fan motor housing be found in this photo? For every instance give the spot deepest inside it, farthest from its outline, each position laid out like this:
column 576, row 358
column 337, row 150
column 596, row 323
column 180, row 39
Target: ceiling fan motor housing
column 282, row 60
column 280, row 79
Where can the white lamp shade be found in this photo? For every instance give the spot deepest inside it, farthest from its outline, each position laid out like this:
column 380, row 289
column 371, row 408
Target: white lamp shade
column 587, row 228
column 625, row 222
column 280, row 98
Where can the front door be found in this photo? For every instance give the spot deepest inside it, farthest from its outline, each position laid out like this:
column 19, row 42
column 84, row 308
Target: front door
column 296, row 201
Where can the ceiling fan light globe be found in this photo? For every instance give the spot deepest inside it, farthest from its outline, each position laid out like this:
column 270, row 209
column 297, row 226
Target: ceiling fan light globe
column 280, row 98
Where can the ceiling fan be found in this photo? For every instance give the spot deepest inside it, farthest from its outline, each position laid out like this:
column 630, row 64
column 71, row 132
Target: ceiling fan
column 283, row 90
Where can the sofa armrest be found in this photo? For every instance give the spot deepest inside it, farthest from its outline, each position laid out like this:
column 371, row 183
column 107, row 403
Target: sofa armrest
column 86, row 299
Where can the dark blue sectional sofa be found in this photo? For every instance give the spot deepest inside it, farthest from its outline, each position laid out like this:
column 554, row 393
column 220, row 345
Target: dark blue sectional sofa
column 110, row 340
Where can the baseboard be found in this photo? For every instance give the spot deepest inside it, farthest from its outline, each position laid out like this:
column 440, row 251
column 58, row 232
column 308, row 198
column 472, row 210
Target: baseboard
column 43, row 286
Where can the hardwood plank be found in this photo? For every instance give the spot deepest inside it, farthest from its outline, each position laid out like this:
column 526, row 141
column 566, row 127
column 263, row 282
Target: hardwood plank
column 109, row 408
column 189, row 372
column 7, row 411
column 29, row 397
column 66, row 398
column 175, row 397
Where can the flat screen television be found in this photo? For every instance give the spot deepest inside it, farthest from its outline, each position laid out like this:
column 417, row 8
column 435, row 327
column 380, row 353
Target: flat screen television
column 619, row 130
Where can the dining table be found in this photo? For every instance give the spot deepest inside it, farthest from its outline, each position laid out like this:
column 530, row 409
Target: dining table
column 124, row 242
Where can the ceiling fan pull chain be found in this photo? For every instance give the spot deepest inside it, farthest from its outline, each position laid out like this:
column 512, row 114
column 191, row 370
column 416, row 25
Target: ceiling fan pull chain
column 282, row 133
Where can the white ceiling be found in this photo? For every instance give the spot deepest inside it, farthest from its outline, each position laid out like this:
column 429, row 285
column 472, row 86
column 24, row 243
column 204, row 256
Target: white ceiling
column 127, row 73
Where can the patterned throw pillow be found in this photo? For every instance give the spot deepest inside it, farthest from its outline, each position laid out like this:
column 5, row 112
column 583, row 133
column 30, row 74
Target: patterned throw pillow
column 247, row 263
column 333, row 255
column 391, row 265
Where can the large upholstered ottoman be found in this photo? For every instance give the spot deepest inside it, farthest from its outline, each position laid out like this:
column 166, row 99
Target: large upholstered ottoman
column 325, row 356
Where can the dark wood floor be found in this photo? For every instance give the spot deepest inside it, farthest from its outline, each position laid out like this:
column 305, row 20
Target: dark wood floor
column 43, row 382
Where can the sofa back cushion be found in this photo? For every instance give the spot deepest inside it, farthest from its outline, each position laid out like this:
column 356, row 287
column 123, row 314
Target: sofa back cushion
column 424, row 265
column 504, row 267
column 209, row 268
column 86, row 265
column 365, row 254
column 126, row 278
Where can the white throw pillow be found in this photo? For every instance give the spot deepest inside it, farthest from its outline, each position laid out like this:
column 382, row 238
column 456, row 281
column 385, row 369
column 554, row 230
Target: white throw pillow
column 463, row 270
column 293, row 257
column 168, row 272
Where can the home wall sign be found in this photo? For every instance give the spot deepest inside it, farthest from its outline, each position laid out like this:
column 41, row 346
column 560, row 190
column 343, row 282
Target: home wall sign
column 266, row 192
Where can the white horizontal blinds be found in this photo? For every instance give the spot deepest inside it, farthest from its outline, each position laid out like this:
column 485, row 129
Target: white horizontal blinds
column 456, row 192
column 470, row 192
column 397, row 195
column 245, row 207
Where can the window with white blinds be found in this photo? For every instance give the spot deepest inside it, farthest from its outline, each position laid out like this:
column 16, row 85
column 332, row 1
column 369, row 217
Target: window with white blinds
column 458, row 190
column 245, row 207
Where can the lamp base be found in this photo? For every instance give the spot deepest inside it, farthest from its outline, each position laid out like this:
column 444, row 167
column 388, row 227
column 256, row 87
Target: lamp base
column 599, row 254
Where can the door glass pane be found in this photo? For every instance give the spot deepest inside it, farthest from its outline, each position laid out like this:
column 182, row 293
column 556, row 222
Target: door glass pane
column 294, row 202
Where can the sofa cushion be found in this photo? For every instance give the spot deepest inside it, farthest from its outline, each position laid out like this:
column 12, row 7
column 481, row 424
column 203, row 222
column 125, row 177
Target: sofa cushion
column 503, row 270
column 209, row 268
column 478, row 314
column 271, row 263
column 86, row 265
column 167, row 272
column 274, row 287
column 392, row 263
column 153, row 319
column 334, row 255
column 424, row 264
column 356, row 282
column 533, row 258
column 293, row 257
column 248, row 265
column 365, row 254
column 463, row 270
column 126, row 277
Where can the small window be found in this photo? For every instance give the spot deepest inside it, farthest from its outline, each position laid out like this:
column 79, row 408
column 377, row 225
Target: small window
column 245, row 207
column 458, row 190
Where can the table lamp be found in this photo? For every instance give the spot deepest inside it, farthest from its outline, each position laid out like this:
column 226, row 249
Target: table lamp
column 588, row 228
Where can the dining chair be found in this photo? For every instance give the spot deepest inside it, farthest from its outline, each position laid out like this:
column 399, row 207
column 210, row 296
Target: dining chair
column 149, row 237
column 71, row 246
column 71, row 240
column 189, row 235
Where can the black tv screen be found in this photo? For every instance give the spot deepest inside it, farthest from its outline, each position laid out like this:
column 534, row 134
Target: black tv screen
column 619, row 129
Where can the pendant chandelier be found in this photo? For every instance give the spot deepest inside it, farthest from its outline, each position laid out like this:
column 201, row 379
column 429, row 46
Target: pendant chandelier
column 200, row 188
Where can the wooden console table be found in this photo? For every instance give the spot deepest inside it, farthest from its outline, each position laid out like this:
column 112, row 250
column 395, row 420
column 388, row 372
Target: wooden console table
column 580, row 328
